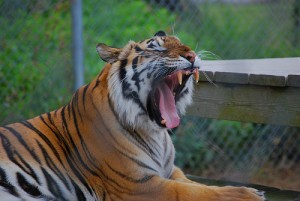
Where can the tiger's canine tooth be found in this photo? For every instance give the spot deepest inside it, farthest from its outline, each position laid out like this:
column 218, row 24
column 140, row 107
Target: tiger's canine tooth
column 179, row 76
column 163, row 122
column 196, row 76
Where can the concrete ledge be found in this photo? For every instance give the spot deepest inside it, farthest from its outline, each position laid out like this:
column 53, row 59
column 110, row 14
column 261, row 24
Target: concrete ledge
column 271, row 72
column 272, row 194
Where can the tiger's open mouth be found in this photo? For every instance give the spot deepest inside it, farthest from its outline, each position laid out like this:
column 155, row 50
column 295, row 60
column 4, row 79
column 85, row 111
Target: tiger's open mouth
column 161, row 103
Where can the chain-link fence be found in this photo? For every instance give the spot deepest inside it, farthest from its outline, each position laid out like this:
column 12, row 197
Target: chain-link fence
column 36, row 70
column 244, row 152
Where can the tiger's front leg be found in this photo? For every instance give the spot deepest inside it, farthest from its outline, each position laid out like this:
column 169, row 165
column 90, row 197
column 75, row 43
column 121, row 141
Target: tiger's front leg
column 161, row 189
column 178, row 175
column 180, row 188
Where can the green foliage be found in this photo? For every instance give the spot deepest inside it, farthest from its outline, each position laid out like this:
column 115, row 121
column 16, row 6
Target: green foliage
column 117, row 26
column 247, row 30
column 33, row 48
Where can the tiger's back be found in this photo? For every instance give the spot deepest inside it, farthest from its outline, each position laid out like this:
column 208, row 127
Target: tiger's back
column 111, row 141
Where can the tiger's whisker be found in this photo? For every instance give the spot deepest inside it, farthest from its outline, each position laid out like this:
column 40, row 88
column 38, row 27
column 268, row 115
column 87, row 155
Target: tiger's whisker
column 208, row 79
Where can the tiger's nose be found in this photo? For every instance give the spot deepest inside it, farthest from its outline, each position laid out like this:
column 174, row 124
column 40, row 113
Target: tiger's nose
column 190, row 56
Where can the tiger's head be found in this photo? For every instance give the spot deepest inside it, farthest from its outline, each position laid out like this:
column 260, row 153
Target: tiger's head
column 150, row 82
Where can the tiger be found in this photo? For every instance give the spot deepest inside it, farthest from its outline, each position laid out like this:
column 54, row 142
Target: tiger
column 111, row 142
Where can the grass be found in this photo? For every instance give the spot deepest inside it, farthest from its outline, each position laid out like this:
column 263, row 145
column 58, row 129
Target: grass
column 248, row 30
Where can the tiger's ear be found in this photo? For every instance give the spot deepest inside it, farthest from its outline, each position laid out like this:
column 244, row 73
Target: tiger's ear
column 108, row 54
column 160, row 33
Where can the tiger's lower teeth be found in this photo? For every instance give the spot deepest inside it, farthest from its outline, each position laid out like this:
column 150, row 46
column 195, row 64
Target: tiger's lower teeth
column 196, row 76
column 179, row 76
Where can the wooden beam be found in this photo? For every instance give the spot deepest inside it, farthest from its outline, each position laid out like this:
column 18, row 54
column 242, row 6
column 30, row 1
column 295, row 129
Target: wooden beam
column 247, row 103
column 259, row 91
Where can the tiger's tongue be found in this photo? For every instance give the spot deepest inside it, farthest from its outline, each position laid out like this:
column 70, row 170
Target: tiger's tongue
column 167, row 106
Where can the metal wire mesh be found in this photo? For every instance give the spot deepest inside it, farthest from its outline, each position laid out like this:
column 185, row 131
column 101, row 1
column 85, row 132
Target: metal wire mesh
column 247, row 152
column 36, row 70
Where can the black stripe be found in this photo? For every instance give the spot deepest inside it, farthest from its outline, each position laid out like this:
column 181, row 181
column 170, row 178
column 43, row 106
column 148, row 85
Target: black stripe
column 123, row 69
column 151, row 45
column 50, row 118
column 104, row 127
column 127, row 178
column 138, row 162
column 128, row 93
column 96, row 85
column 126, row 90
column 53, row 186
column 67, row 152
column 75, row 104
column 165, row 142
column 28, row 187
column 44, row 137
column 12, row 153
column 77, row 172
column 79, row 194
column 135, row 62
column 103, row 195
column 142, row 144
column 84, row 94
column 137, row 48
column 5, row 184
column 97, row 80
column 55, row 113
column 85, row 149
column 117, row 187
column 170, row 159
column 22, row 141
column 29, row 169
column 136, row 79
column 53, row 167
column 150, row 40
column 69, row 110
column 57, row 134
column 153, row 67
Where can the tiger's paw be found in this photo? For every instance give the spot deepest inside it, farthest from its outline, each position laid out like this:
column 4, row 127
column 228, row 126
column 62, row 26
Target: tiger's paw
column 229, row 193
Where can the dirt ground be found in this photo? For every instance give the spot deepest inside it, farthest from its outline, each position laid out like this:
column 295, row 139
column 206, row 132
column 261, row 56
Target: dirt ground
column 284, row 178
column 287, row 179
